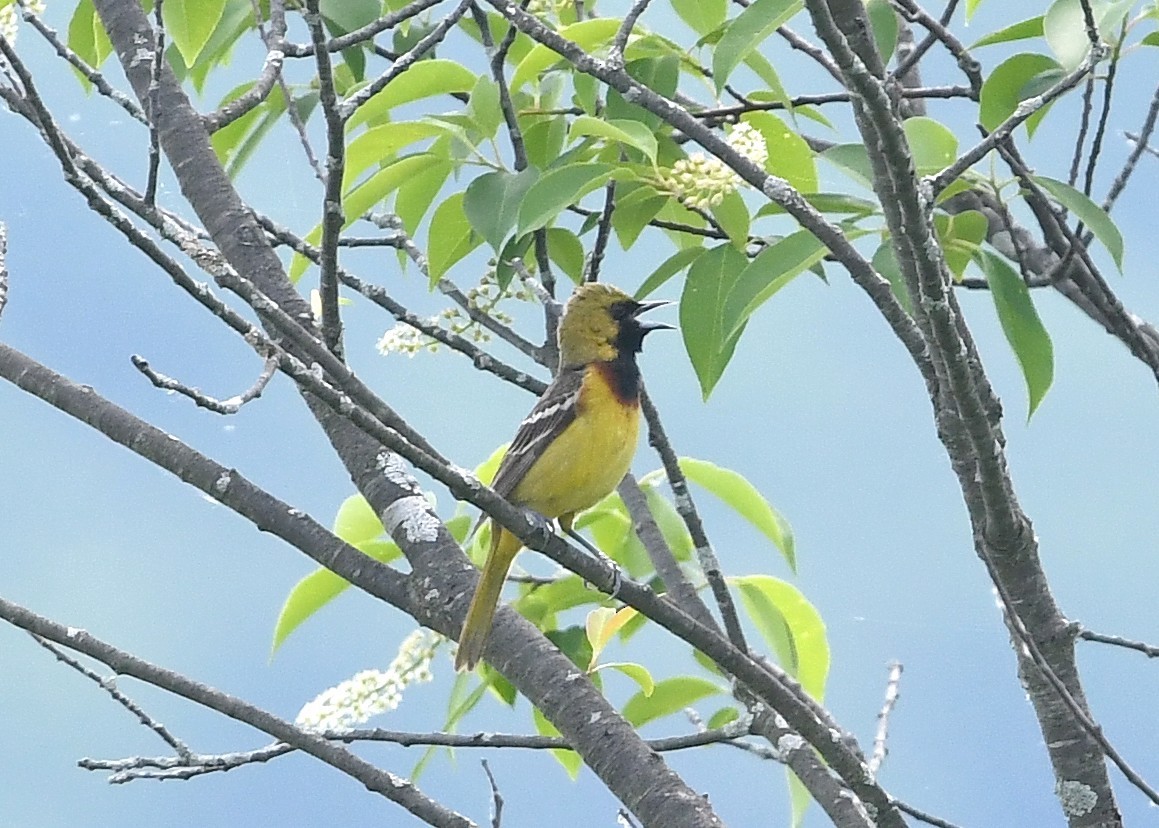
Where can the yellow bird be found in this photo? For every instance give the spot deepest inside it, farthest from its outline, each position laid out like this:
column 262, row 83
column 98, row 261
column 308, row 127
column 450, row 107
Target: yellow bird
column 578, row 441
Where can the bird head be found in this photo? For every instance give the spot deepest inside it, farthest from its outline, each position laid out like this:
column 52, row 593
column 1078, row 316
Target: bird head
column 599, row 323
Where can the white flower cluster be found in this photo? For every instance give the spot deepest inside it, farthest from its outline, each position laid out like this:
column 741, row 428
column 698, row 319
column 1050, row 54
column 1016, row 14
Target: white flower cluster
column 10, row 17
column 372, row 692
column 702, row 182
column 486, row 296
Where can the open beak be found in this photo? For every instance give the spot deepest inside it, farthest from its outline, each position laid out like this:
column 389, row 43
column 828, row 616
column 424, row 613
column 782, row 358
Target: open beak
column 643, row 307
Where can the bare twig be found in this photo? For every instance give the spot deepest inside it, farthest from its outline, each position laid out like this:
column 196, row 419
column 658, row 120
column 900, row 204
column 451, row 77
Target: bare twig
column 367, row 32
column 379, row 781
column 496, row 797
column 922, row 816
column 1140, row 142
column 271, row 73
column 1003, row 131
column 109, row 685
column 333, row 217
column 404, row 62
column 94, row 77
column 620, row 41
column 603, row 233
column 881, row 737
column 227, row 406
column 3, row 267
column 154, row 101
column 1146, row 649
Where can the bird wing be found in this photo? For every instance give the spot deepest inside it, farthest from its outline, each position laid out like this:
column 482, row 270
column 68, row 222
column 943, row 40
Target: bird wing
column 553, row 413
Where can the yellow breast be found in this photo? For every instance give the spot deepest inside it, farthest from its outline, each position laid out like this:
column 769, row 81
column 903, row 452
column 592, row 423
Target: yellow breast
column 591, row 456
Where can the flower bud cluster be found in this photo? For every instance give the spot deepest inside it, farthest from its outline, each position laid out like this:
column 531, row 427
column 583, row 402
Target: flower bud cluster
column 702, row 182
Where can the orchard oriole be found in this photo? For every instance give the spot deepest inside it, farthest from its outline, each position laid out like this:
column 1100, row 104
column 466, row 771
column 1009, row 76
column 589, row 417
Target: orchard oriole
column 576, row 444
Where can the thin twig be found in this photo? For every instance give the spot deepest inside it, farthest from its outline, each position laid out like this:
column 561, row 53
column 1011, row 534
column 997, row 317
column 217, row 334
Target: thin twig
column 929, row 819
column 1140, row 142
column 227, row 406
column 496, row 797
column 1146, row 649
column 1080, row 140
column 367, row 32
column 333, row 218
column 379, row 781
column 348, row 107
column 109, row 685
column 154, row 103
column 603, row 233
column 94, row 77
column 620, row 41
column 881, row 737
column 271, row 73
column 1021, row 113
column 3, row 267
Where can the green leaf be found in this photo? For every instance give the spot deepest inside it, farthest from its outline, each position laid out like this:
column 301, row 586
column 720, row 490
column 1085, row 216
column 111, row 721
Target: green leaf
column 971, row 7
column 746, row 32
column 883, row 21
column 633, row 212
column 629, row 133
column 87, row 37
column 1011, row 82
column 1019, row 31
column 839, row 203
column 557, row 189
column 722, row 717
column 733, row 217
column 544, row 141
column 319, row 588
column 667, row 697
column 933, row 145
column 772, row 269
column 853, row 159
column 483, row 106
column 588, row 34
column 565, row 249
column 1091, row 214
column 1065, row 28
column 190, row 23
column 425, row 79
column 669, row 268
column 885, row 262
column 492, row 203
column 568, row 759
column 791, row 626
column 960, row 235
column 1024, row 330
column 636, row 672
column 709, row 344
column 602, row 624
column 344, row 16
column 789, row 155
column 744, row 499
column 381, row 143
column 356, row 521
column 366, row 195
column 416, row 195
column 456, row 238
column 702, row 16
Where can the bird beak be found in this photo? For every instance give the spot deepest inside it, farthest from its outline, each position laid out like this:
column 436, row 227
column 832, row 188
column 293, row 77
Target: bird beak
column 643, row 307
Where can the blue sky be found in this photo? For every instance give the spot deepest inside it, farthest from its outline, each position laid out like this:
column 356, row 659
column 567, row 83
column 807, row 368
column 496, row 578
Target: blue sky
column 820, row 409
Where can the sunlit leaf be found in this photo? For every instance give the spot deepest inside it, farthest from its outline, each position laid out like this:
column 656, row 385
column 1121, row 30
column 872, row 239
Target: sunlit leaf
column 791, row 626
column 190, row 23
column 789, row 155
column 667, row 697
column 933, row 145
column 744, row 499
column 589, row 35
column 456, row 237
column 746, row 32
column 1019, row 31
column 629, row 133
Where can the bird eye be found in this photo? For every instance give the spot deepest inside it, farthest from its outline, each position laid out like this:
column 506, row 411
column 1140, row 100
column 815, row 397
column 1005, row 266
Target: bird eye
column 622, row 310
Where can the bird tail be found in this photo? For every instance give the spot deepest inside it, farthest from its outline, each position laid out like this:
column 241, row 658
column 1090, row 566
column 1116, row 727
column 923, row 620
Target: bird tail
column 477, row 626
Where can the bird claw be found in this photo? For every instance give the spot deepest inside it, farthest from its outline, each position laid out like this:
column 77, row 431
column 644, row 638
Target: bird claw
column 616, row 577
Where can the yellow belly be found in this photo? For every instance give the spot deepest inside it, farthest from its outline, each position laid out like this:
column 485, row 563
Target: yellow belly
column 588, row 460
